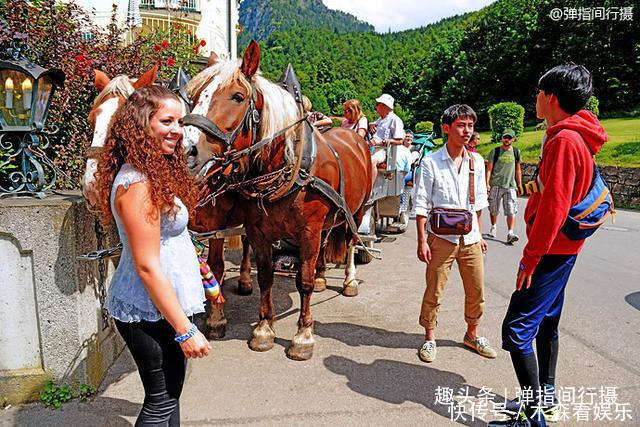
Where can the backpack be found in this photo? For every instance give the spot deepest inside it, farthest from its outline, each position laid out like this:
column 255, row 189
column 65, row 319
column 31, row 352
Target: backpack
column 497, row 151
column 586, row 216
column 592, row 211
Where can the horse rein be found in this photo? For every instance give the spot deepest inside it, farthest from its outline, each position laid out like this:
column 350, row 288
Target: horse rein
column 250, row 121
column 233, row 156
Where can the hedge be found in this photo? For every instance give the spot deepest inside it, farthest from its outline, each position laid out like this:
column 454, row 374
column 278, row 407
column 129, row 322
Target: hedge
column 423, row 127
column 593, row 105
column 505, row 115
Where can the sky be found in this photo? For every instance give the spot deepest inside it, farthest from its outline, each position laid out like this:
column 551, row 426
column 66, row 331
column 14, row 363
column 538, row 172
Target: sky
column 399, row 15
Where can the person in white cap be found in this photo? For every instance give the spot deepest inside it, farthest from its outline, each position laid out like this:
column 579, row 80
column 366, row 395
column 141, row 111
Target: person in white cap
column 387, row 130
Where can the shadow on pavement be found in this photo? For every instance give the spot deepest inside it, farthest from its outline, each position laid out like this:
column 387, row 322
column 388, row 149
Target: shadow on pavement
column 633, row 299
column 106, row 411
column 398, row 382
column 357, row 335
column 493, row 239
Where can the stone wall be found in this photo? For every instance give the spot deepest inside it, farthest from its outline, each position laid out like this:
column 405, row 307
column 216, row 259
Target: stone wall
column 624, row 183
column 51, row 322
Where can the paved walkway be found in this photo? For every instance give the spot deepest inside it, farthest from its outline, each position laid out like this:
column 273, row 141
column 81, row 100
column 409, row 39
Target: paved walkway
column 365, row 370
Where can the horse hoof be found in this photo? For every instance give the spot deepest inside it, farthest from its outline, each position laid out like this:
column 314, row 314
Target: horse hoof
column 245, row 288
column 262, row 337
column 319, row 284
column 301, row 347
column 217, row 330
column 350, row 289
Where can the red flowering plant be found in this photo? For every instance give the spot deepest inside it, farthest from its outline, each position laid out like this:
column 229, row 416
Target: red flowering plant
column 173, row 48
column 61, row 35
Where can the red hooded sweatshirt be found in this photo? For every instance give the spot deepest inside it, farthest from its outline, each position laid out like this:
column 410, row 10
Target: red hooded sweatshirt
column 565, row 176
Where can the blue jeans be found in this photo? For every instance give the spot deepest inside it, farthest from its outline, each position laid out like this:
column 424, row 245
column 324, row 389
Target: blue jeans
column 534, row 313
column 162, row 367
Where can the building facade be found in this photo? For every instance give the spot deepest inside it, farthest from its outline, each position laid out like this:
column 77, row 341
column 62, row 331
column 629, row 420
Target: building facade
column 214, row 21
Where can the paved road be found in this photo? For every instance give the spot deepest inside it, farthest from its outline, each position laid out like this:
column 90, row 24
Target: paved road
column 365, row 370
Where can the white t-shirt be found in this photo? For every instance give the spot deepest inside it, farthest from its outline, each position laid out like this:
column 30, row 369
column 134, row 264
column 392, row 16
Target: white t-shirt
column 362, row 124
column 390, row 127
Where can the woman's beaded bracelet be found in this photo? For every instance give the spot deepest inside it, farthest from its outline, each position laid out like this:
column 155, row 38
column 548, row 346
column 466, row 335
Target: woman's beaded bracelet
column 191, row 332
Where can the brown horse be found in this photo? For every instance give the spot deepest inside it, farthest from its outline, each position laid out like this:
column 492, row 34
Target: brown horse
column 245, row 107
column 223, row 213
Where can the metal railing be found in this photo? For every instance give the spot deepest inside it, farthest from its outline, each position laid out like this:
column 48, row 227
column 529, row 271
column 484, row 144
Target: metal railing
column 186, row 5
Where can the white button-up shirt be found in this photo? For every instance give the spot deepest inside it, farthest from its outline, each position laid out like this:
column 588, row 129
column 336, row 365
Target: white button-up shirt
column 441, row 185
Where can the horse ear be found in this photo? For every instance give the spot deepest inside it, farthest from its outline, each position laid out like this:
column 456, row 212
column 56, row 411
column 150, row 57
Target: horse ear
column 100, row 79
column 213, row 58
column 251, row 59
column 147, row 79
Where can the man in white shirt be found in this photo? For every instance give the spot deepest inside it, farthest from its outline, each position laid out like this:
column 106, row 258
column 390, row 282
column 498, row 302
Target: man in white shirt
column 444, row 183
column 387, row 130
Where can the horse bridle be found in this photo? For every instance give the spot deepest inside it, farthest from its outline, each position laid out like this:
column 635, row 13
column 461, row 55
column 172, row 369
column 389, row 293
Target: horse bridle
column 249, row 122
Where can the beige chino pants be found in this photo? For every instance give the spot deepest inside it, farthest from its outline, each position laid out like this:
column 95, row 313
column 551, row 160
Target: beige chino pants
column 471, row 266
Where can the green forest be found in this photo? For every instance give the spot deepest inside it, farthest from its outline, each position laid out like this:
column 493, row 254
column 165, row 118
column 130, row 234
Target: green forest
column 492, row 55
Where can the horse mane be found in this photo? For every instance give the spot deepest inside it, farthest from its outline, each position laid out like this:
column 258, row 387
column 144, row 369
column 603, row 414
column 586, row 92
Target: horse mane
column 279, row 111
column 118, row 86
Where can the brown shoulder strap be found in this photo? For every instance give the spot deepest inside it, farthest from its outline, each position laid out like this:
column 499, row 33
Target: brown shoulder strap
column 472, row 175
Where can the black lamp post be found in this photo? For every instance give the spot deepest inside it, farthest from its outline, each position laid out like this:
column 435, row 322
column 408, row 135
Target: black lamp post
column 26, row 90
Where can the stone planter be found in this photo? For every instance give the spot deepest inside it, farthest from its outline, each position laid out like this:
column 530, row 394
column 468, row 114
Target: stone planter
column 51, row 322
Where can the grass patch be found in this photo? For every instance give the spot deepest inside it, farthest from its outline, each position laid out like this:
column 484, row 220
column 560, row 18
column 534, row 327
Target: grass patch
column 623, row 148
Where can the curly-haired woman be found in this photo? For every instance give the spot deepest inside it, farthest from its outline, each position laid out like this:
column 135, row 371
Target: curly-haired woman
column 157, row 287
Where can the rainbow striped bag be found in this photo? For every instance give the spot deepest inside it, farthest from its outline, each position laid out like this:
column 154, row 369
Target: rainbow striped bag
column 212, row 289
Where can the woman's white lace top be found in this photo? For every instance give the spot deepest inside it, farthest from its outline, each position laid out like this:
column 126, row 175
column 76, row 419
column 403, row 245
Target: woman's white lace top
column 128, row 300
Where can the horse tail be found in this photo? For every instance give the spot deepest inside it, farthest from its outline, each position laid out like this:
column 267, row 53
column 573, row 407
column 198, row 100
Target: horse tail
column 233, row 243
column 336, row 250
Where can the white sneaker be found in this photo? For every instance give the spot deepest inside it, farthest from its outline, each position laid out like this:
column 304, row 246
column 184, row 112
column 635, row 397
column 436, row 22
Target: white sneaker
column 492, row 232
column 512, row 238
column 427, row 352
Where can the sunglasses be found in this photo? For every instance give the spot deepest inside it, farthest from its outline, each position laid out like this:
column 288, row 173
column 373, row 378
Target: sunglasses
column 507, row 137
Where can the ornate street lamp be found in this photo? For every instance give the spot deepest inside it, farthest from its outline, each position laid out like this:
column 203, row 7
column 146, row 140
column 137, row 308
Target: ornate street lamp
column 26, row 90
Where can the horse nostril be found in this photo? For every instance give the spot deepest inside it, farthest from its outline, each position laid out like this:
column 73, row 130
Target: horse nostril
column 193, row 151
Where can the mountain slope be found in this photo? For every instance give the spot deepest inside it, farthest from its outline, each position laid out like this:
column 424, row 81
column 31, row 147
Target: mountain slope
column 260, row 18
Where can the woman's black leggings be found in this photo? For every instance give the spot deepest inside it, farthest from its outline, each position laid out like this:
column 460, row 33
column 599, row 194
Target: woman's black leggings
column 161, row 365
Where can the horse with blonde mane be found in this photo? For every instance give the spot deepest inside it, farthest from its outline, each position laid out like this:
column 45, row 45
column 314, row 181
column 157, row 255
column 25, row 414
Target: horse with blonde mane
column 113, row 93
column 281, row 198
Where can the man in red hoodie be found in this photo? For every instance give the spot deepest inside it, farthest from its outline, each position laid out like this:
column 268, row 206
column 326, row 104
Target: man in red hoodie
column 564, row 178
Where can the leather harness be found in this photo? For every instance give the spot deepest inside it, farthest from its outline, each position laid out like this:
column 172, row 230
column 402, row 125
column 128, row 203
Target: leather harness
column 282, row 182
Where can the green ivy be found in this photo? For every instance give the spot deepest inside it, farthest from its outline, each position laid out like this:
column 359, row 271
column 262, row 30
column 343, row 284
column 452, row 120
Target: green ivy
column 53, row 396
column 86, row 391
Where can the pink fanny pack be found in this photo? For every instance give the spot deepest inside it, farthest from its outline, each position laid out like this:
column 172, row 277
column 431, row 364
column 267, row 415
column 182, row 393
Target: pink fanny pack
column 454, row 221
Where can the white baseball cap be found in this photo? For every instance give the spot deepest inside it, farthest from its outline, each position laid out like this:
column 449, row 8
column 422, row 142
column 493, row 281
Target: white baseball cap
column 386, row 99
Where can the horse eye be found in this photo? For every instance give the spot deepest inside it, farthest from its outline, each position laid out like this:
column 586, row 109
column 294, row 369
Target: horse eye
column 238, row 97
